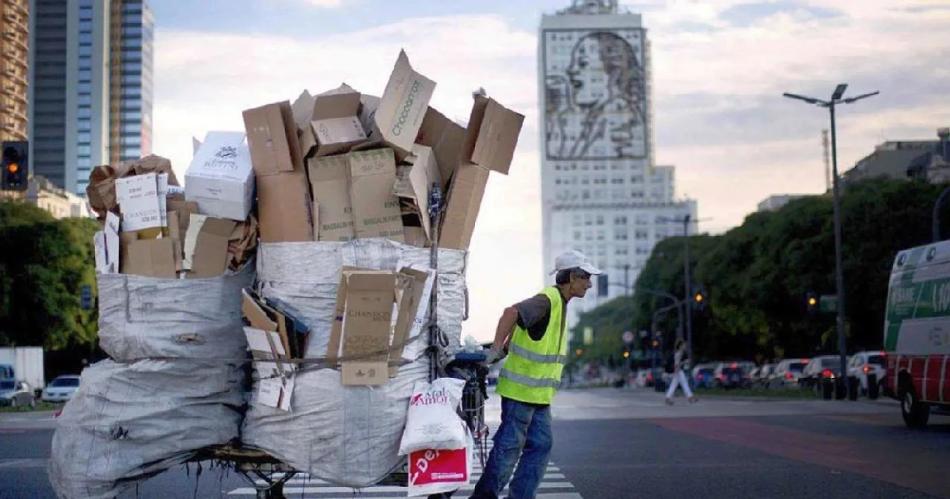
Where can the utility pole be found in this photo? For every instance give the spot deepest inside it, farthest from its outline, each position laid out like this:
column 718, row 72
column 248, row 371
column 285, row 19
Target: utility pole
column 824, row 147
column 836, row 98
column 626, row 279
column 687, row 291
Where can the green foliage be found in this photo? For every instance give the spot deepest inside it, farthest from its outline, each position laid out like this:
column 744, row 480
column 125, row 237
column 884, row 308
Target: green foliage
column 757, row 274
column 43, row 264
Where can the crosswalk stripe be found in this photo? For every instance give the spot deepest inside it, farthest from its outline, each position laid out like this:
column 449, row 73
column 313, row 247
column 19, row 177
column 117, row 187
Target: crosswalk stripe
column 331, row 490
column 315, row 482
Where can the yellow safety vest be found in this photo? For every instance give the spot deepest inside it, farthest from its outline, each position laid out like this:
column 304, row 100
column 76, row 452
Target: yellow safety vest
column 532, row 371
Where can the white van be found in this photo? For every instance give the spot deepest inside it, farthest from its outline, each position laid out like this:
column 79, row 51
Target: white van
column 917, row 331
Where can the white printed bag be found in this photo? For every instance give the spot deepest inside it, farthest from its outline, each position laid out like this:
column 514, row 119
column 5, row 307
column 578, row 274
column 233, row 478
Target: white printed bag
column 432, row 422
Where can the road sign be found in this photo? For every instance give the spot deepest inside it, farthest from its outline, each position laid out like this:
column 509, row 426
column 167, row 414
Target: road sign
column 628, row 337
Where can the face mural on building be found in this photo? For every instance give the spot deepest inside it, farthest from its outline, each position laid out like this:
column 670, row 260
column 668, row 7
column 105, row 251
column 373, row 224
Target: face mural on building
column 595, row 95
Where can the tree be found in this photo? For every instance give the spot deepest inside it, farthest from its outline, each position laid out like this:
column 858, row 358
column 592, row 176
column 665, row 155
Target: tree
column 43, row 264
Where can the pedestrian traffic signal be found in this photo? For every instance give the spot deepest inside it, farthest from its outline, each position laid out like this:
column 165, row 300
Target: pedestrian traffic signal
column 811, row 302
column 602, row 286
column 16, row 166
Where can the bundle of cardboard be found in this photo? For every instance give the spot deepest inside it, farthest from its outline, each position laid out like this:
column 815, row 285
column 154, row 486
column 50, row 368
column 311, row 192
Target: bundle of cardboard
column 340, row 165
column 152, row 227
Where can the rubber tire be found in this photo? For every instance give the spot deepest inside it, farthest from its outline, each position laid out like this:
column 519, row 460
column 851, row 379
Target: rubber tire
column 915, row 413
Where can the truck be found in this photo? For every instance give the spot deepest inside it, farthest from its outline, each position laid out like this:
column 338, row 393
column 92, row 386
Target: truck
column 23, row 364
column 917, row 332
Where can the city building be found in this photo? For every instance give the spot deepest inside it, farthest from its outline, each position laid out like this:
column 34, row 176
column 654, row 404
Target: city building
column 602, row 192
column 14, row 67
column 927, row 160
column 776, row 201
column 131, row 39
column 91, row 80
column 57, row 201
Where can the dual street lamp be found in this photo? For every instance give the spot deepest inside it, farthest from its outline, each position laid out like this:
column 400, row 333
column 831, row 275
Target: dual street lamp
column 837, row 98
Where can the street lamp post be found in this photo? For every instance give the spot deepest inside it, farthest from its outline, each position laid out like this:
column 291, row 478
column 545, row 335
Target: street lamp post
column 687, row 292
column 836, row 98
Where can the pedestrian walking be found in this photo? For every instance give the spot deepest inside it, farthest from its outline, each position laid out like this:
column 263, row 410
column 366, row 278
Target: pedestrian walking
column 532, row 332
column 680, row 364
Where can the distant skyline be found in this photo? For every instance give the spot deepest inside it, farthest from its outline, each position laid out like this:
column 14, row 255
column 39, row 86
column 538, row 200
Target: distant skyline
column 719, row 69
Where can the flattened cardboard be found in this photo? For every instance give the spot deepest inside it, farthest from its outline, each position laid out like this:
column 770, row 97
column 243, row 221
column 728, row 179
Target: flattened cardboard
column 275, row 392
column 191, row 240
column 402, row 106
column 211, row 248
column 272, row 139
column 254, row 314
column 283, row 207
column 329, row 182
column 446, row 138
column 461, row 212
column 220, row 177
column 151, row 258
column 368, row 316
column 138, row 201
column 174, row 233
column 336, row 329
column 375, row 207
column 184, row 209
column 416, row 236
column 492, row 135
column 264, row 344
column 414, row 182
column 410, row 286
column 358, row 373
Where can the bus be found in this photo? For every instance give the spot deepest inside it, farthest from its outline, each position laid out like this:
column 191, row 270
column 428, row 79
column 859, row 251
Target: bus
column 917, row 331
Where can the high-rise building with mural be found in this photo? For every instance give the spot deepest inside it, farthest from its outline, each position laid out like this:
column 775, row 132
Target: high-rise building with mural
column 602, row 192
column 14, row 57
column 92, row 88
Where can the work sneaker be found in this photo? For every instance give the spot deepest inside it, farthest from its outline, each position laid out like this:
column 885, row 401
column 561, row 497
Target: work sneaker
column 693, row 399
column 669, row 401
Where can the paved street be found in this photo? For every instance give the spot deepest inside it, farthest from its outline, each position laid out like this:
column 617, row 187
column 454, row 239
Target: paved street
column 628, row 443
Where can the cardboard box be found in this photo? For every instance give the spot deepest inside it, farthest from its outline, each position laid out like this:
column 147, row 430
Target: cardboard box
column 272, row 139
column 402, row 107
column 415, row 181
column 329, row 122
column 220, row 178
column 461, row 211
column 363, row 335
column 329, row 183
column 492, row 135
column 150, row 258
column 210, row 257
column 139, row 202
column 416, row 236
column 175, row 234
column 184, row 209
column 283, row 207
column 446, row 138
column 375, row 207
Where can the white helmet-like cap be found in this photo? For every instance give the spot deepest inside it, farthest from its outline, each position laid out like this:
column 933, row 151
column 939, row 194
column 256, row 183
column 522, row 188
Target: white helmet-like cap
column 574, row 259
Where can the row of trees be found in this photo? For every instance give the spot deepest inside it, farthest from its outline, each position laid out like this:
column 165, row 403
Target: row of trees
column 757, row 275
column 44, row 263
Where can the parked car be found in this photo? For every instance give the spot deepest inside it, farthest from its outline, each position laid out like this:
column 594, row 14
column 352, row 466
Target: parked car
column 786, row 373
column 61, row 389
column 820, row 368
column 864, row 363
column 729, row 375
column 15, row 393
column 760, row 375
column 703, row 375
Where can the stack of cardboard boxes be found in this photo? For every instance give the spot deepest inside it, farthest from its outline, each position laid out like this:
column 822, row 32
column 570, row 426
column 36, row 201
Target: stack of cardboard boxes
column 340, row 165
column 154, row 228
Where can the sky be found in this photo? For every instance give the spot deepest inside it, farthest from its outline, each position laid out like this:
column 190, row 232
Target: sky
column 719, row 69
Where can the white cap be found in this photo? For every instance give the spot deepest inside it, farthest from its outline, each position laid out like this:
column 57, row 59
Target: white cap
column 574, row 259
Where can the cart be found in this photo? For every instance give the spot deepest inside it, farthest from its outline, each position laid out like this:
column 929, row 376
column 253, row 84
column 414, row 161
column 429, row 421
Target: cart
column 268, row 475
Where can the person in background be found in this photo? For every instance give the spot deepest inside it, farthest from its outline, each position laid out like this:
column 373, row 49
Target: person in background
column 533, row 333
column 680, row 364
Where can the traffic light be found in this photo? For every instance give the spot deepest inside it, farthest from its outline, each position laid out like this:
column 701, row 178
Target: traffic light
column 602, row 286
column 699, row 299
column 85, row 297
column 16, row 165
column 811, row 302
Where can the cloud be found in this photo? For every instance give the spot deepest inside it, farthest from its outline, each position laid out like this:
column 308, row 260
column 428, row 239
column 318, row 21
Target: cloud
column 716, row 82
column 326, row 4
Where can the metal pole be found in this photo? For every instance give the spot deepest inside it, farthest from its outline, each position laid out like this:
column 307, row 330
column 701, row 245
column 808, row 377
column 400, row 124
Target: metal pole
column 839, row 266
column 687, row 302
column 936, row 213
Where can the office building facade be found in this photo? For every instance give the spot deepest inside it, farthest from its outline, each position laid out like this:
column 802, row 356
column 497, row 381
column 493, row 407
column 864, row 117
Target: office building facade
column 79, row 101
column 601, row 190
column 14, row 66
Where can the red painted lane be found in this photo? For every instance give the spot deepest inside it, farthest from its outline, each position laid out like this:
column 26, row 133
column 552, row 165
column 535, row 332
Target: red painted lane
column 909, row 467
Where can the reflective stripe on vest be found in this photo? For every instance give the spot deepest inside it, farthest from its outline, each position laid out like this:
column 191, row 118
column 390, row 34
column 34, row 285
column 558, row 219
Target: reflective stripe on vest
column 532, row 371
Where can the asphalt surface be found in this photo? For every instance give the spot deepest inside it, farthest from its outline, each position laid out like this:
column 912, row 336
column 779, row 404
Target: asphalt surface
column 628, row 443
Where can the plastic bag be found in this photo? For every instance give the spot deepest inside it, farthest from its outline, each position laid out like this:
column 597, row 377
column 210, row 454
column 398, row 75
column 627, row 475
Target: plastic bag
column 432, row 422
column 438, row 471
